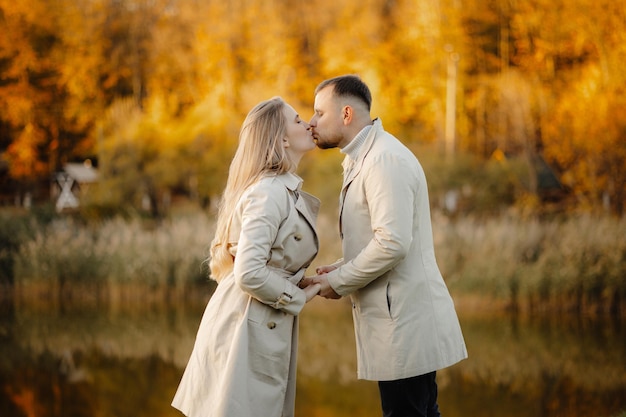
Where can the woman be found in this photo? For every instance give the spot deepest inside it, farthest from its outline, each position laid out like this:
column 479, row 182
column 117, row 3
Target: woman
column 244, row 359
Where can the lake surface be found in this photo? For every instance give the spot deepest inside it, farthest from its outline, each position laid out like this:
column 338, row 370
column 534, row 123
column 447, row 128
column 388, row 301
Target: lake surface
column 127, row 361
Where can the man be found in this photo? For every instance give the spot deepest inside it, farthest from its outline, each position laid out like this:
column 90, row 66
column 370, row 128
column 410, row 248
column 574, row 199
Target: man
column 405, row 322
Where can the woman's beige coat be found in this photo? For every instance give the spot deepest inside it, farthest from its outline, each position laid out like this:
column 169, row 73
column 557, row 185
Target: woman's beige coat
column 243, row 362
column 405, row 321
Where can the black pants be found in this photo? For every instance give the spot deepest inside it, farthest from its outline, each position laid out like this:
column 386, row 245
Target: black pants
column 410, row 397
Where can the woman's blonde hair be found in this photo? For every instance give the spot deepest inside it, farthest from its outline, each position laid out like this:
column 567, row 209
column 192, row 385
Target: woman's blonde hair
column 260, row 151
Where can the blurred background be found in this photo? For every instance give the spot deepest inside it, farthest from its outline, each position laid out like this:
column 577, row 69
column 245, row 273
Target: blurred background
column 118, row 121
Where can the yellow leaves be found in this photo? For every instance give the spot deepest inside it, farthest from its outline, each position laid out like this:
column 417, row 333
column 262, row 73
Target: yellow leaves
column 528, row 71
column 585, row 136
column 25, row 11
column 24, row 154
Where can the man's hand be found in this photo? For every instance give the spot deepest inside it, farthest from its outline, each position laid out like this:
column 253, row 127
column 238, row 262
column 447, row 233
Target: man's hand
column 306, row 282
column 326, row 290
column 320, row 281
column 324, row 269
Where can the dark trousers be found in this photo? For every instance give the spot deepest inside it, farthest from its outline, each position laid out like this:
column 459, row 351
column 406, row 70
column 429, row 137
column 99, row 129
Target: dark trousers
column 410, row 397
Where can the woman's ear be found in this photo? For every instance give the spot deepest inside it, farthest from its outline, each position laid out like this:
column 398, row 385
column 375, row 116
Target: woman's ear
column 285, row 143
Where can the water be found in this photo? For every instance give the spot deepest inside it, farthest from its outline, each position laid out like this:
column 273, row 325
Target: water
column 127, row 362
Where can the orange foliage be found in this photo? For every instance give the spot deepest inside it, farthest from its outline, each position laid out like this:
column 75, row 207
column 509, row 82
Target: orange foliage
column 532, row 76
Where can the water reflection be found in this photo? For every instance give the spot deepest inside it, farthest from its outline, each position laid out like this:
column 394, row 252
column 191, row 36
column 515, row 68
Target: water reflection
column 127, row 362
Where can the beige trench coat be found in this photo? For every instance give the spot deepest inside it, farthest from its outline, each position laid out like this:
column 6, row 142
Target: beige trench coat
column 405, row 321
column 243, row 362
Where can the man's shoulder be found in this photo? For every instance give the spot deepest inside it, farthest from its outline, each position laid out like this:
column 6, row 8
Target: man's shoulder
column 387, row 144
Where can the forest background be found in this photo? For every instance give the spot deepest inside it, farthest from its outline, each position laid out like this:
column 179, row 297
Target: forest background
column 515, row 108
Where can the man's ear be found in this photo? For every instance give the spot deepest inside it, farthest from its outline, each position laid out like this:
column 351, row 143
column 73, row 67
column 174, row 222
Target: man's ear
column 346, row 114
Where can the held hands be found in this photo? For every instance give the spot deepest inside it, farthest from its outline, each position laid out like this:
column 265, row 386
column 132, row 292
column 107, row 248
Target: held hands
column 310, row 291
column 320, row 283
column 326, row 290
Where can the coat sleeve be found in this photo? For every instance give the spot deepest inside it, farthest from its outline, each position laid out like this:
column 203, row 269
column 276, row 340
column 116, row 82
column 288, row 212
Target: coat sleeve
column 263, row 209
column 389, row 184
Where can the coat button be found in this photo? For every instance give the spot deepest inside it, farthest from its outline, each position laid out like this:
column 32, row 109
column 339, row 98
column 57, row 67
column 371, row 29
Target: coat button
column 271, row 325
column 298, row 237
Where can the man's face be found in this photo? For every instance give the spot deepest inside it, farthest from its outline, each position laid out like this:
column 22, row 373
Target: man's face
column 327, row 123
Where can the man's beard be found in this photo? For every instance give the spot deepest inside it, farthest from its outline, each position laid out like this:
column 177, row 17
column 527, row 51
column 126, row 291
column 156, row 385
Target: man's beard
column 328, row 144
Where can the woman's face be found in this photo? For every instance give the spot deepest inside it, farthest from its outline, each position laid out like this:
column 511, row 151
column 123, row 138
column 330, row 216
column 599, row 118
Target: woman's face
column 299, row 138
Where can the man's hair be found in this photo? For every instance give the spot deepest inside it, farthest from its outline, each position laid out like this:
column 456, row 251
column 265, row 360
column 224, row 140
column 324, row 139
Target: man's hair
column 348, row 86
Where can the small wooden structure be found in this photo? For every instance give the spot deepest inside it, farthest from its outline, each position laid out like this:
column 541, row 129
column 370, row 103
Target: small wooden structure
column 71, row 182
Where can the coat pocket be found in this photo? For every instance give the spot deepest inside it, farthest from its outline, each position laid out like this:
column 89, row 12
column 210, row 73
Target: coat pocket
column 270, row 348
column 376, row 299
column 258, row 312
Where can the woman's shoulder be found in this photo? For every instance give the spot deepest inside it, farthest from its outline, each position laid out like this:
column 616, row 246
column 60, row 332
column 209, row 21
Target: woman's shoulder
column 266, row 198
column 287, row 180
column 268, row 187
column 268, row 183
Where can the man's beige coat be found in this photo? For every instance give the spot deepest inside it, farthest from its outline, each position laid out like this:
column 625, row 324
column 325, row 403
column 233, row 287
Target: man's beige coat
column 243, row 362
column 405, row 321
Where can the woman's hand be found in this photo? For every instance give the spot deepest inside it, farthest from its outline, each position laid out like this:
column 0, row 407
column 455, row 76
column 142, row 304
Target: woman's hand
column 311, row 291
column 321, row 282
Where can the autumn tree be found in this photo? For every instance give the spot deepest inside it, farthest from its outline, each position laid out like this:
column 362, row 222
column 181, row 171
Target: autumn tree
column 572, row 60
column 29, row 89
column 156, row 90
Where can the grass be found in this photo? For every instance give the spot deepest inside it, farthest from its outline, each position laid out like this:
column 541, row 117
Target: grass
column 576, row 264
column 116, row 260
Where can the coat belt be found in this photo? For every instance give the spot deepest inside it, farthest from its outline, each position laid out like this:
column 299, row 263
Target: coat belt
column 294, row 278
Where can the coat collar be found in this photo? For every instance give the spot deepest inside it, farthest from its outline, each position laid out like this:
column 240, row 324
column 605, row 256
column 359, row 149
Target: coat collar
column 292, row 181
column 377, row 127
column 307, row 204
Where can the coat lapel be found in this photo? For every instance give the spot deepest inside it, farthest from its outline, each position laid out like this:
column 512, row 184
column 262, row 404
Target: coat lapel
column 308, row 206
column 352, row 172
